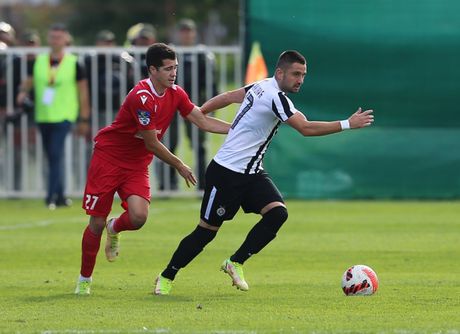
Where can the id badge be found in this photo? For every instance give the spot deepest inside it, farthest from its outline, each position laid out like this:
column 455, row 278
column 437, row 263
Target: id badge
column 48, row 96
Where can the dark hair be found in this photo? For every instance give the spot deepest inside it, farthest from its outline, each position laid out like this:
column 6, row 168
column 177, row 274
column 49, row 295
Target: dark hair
column 157, row 52
column 289, row 57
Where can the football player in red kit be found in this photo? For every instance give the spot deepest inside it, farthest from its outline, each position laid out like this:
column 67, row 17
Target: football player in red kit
column 123, row 152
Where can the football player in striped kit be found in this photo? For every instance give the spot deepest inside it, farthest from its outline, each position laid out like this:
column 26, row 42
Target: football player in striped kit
column 235, row 177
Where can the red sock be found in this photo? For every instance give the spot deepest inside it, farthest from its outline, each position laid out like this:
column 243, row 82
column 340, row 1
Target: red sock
column 123, row 223
column 89, row 248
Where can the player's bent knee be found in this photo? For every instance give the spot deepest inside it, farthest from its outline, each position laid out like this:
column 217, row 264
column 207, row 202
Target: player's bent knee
column 278, row 213
column 138, row 219
column 275, row 218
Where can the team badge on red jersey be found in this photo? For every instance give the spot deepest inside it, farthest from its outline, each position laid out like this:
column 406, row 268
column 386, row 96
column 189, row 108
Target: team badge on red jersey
column 143, row 116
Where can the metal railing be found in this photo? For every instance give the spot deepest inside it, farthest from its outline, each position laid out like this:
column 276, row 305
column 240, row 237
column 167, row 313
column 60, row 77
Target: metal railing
column 23, row 168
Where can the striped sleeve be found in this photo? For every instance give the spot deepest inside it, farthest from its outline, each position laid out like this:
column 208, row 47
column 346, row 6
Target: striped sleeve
column 283, row 107
column 248, row 87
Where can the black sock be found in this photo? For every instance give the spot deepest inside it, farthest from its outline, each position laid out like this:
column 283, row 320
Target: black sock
column 261, row 234
column 188, row 249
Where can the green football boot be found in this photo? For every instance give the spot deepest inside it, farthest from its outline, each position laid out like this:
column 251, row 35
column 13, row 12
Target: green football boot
column 235, row 271
column 163, row 286
column 83, row 288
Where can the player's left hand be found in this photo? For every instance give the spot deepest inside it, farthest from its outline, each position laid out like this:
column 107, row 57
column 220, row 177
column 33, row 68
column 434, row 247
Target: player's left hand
column 361, row 118
column 187, row 173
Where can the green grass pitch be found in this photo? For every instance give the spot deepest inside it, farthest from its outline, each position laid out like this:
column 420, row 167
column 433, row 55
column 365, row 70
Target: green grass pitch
column 294, row 283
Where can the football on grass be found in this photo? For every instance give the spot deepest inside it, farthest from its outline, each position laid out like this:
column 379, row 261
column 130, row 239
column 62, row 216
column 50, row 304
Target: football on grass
column 359, row 280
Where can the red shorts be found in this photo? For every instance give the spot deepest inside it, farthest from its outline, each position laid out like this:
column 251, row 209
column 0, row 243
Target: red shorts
column 104, row 179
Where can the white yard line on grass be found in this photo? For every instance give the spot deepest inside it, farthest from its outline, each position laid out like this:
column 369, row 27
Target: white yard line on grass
column 229, row 331
column 40, row 223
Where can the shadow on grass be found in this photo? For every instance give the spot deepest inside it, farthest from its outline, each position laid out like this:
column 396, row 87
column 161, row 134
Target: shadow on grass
column 109, row 298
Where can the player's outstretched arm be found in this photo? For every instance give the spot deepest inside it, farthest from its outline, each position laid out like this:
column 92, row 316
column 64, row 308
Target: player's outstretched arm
column 206, row 123
column 153, row 144
column 222, row 100
column 359, row 119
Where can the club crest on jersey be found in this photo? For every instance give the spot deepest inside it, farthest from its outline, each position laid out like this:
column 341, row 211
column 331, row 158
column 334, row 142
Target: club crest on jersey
column 220, row 211
column 143, row 116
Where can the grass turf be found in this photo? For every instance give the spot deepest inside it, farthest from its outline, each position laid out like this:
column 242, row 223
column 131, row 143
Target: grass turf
column 294, row 283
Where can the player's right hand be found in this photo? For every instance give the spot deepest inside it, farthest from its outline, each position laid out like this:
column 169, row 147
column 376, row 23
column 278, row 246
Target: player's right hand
column 187, row 173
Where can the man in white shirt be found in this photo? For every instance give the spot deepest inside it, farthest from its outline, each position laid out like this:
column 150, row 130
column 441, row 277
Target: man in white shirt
column 235, row 177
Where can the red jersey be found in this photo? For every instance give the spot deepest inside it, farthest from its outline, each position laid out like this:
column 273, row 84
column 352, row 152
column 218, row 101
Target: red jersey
column 142, row 109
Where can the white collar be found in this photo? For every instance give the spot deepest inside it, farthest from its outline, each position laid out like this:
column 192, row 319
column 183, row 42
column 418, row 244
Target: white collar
column 152, row 88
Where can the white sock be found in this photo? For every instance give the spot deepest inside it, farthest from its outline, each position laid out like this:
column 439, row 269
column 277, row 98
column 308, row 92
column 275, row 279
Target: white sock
column 83, row 278
column 110, row 226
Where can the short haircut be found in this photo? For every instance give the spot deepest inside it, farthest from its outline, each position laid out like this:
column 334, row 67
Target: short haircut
column 157, row 52
column 289, row 57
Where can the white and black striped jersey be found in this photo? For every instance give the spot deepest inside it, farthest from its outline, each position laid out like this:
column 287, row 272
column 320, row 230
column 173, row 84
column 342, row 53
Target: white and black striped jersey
column 264, row 107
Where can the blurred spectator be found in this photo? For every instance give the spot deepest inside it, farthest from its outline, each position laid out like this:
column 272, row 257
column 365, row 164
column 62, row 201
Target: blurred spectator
column 23, row 64
column 7, row 35
column 199, row 90
column 7, row 39
column 61, row 99
column 106, row 66
column 30, row 38
column 105, row 38
column 20, row 67
column 215, row 31
column 141, row 35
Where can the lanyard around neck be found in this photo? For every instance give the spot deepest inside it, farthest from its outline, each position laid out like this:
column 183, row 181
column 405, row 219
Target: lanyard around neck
column 53, row 68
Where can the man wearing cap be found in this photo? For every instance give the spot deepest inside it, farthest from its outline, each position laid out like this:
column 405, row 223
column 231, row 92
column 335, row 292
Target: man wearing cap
column 141, row 35
column 7, row 35
column 7, row 38
column 199, row 90
column 107, row 100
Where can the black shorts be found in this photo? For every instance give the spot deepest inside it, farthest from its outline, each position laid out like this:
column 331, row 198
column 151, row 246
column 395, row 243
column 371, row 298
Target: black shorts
column 227, row 190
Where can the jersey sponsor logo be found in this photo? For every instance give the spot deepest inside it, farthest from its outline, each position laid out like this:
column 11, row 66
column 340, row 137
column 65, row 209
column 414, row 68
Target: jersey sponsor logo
column 258, row 90
column 143, row 99
column 143, row 116
column 220, row 211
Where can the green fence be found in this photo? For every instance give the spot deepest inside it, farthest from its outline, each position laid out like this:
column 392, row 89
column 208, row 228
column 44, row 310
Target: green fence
column 400, row 58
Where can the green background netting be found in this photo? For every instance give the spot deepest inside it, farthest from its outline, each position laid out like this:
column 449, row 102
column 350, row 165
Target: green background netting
column 400, row 58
